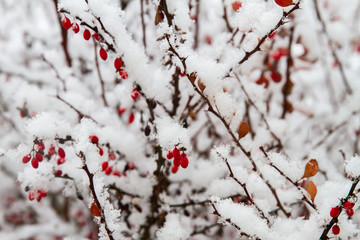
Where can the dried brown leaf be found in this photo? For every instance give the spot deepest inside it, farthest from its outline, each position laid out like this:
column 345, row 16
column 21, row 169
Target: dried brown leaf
column 311, row 189
column 95, row 210
column 244, row 129
column 311, row 169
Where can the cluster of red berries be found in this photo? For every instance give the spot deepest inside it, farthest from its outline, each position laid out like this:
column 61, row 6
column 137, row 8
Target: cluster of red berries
column 121, row 110
column 107, row 169
column 66, row 23
column 35, row 155
column 38, row 195
column 180, row 159
column 335, row 212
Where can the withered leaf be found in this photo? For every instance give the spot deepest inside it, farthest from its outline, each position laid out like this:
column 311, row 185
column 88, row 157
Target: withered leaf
column 311, row 169
column 192, row 77
column 158, row 17
column 311, row 189
column 192, row 114
column 201, row 85
column 243, row 130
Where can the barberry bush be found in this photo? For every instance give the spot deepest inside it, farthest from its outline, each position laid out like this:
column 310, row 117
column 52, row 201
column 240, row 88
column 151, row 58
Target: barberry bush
column 186, row 119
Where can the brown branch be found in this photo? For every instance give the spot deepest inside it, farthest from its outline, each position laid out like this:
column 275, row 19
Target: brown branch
column 226, row 18
column 196, row 36
column 99, row 75
column 56, row 72
column 332, row 48
column 287, row 178
column 64, row 37
column 81, row 115
column 192, row 203
column 94, row 195
column 287, row 88
column 143, row 23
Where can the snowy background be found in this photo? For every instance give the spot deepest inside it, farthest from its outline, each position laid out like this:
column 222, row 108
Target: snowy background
column 179, row 119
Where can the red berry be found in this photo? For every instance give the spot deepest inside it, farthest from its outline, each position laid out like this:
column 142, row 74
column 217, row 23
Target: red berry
column 263, row 80
column 349, row 212
column 87, row 34
column 236, row 5
column 61, row 161
column 34, row 163
column 41, row 146
column 117, row 173
column 31, row 196
column 271, row 36
column 284, row 3
column 76, row 28
column 96, row 36
column 349, row 205
column 208, row 39
column 123, row 74
column 26, row 158
column 134, row 94
column 42, row 193
column 108, row 170
column 182, row 74
column 66, row 23
column 57, row 173
column 336, row 230
column 176, row 153
column 39, row 157
column 117, row 64
column 103, row 54
column 104, row 165
column 275, row 76
column 184, row 162
column 131, row 165
column 174, row 169
column 112, row 156
column 94, row 139
column 169, row 155
column 121, row 110
column 101, row 151
column 51, row 150
column 177, row 162
column 131, row 117
column 334, row 212
column 61, row 153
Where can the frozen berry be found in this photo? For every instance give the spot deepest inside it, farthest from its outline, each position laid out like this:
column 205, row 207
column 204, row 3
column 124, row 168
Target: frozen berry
column 87, row 34
column 94, row 139
column 117, row 64
column 134, row 94
column 31, row 196
column 57, row 173
column 104, row 165
column 101, row 151
column 349, row 211
column 103, row 54
column 336, row 230
column 236, row 5
column 349, row 205
column 34, row 163
column 169, row 155
column 51, row 150
column 123, row 74
column 184, row 162
column 75, row 28
column 41, row 146
column 61, row 153
column 131, row 165
column 121, row 110
column 108, row 170
column 131, row 117
column 112, row 156
column 174, row 169
column 176, row 162
column 26, row 158
column 42, row 193
column 275, row 76
column 96, row 36
column 61, row 161
column 176, row 153
column 334, row 212
column 66, row 23
column 39, row 157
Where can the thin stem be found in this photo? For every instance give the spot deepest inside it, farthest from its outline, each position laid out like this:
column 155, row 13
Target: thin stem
column 99, row 75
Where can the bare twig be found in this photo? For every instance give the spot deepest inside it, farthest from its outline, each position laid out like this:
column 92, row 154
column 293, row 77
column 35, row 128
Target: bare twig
column 99, row 75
